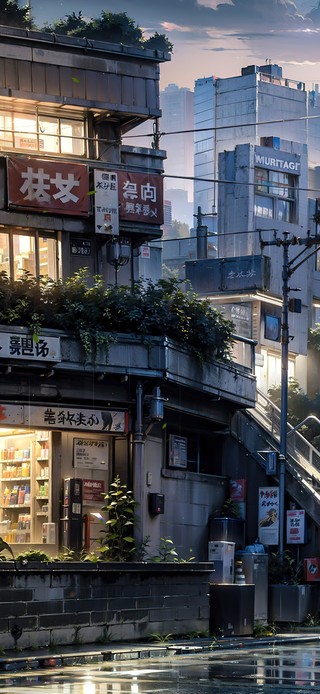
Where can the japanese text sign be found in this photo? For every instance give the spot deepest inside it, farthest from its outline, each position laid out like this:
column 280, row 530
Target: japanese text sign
column 140, row 197
column 51, row 186
column 91, row 453
column 296, row 527
column 93, row 490
column 106, row 202
column 64, row 418
column 268, row 515
column 22, row 346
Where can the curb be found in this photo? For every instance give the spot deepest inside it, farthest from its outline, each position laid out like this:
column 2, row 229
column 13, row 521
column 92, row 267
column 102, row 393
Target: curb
column 15, row 663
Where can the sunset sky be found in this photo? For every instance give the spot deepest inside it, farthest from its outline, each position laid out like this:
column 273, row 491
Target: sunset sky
column 214, row 37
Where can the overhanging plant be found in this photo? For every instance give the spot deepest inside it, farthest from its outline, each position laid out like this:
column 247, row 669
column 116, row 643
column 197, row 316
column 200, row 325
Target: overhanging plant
column 92, row 312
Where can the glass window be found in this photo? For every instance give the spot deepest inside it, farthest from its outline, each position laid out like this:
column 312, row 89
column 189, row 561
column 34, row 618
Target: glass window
column 48, row 134
column 72, row 133
column 6, row 134
column 42, row 133
column 278, row 201
column 263, row 206
column 33, row 253
column 25, row 131
column 48, row 258
column 24, row 255
column 4, row 254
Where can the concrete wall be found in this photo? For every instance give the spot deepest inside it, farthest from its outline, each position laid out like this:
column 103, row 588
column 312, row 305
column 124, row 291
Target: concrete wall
column 77, row 603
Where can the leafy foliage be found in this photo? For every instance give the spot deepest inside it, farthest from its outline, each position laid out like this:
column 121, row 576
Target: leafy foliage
column 13, row 15
column 94, row 313
column 33, row 555
column 118, row 543
column 110, row 27
column 286, row 570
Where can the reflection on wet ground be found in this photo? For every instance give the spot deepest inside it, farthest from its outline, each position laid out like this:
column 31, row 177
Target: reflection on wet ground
column 277, row 670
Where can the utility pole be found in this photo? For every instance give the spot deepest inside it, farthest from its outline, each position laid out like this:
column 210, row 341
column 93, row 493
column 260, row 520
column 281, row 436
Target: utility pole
column 202, row 233
column 288, row 268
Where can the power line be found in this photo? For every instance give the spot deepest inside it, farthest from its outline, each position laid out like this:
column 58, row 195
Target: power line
column 237, row 183
column 227, row 127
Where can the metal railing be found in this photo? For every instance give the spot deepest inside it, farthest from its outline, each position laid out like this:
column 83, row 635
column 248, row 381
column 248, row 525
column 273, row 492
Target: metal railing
column 299, row 449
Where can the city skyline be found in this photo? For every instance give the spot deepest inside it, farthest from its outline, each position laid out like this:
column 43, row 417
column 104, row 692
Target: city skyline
column 214, row 37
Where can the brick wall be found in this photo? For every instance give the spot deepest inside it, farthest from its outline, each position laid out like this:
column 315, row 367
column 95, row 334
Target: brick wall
column 71, row 603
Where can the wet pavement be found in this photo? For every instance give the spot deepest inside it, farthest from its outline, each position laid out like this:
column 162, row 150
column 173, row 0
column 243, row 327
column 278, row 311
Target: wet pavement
column 253, row 669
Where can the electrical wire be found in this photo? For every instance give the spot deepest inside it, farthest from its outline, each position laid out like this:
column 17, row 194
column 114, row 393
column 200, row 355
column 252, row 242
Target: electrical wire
column 214, row 128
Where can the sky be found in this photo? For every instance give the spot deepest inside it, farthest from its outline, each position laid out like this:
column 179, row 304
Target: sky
column 216, row 37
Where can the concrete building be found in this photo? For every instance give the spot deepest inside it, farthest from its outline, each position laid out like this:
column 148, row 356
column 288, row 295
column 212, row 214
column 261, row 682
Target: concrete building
column 73, row 196
column 259, row 103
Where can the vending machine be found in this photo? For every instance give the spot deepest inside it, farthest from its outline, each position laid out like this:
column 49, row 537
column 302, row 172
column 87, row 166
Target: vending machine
column 71, row 521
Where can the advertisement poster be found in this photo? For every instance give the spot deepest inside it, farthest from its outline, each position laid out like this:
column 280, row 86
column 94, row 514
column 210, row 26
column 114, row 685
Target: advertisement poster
column 93, row 490
column 268, row 515
column 177, row 451
column 91, row 453
column 296, row 527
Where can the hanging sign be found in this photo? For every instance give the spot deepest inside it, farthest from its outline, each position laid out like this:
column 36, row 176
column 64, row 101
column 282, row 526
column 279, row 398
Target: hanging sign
column 106, row 202
column 268, row 515
column 296, row 527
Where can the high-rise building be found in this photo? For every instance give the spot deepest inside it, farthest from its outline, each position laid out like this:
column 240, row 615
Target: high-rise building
column 237, row 110
column 177, row 117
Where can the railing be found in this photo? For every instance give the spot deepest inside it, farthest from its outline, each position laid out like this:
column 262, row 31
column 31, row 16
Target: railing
column 300, row 450
column 282, row 81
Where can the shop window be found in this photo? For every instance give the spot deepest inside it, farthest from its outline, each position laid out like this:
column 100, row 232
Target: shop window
column 42, row 133
column 25, row 486
column 33, row 253
column 275, row 195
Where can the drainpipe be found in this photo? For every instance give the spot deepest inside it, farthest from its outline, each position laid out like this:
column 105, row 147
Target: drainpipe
column 138, row 465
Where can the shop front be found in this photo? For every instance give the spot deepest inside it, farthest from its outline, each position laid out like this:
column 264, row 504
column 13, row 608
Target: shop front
column 55, row 466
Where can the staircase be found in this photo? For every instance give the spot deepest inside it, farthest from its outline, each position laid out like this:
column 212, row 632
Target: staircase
column 259, row 430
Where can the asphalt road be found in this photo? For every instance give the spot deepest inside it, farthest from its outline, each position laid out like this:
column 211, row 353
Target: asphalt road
column 285, row 669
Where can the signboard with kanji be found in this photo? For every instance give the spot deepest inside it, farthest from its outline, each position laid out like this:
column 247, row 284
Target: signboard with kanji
column 106, row 202
column 93, row 490
column 65, row 418
column 90, row 453
column 50, row 186
column 140, row 197
column 268, row 515
column 296, row 527
column 23, row 346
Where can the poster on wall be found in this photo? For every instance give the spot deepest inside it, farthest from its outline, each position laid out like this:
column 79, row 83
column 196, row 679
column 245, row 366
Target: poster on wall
column 296, row 527
column 268, row 515
column 177, row 451
column 93, row 490
column 92, row 454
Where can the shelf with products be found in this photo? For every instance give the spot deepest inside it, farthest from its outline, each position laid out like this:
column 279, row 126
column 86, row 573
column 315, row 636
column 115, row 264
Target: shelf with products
column 25, row 484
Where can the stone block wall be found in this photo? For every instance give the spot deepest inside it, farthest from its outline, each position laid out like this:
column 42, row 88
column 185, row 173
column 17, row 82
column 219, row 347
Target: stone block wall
column 70, row 603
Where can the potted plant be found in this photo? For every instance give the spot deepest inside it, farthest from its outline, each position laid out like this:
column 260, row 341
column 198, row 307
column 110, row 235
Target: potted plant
column 289, row 598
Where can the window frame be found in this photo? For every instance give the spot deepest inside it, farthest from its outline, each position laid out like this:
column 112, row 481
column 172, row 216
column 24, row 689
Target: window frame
column 41, row 115
column 36, row 235
column 279, row 187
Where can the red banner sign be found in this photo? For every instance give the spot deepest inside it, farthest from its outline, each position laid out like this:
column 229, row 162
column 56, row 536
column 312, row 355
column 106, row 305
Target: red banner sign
column 140, row 197
column 50, row 186
column 93, row 490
